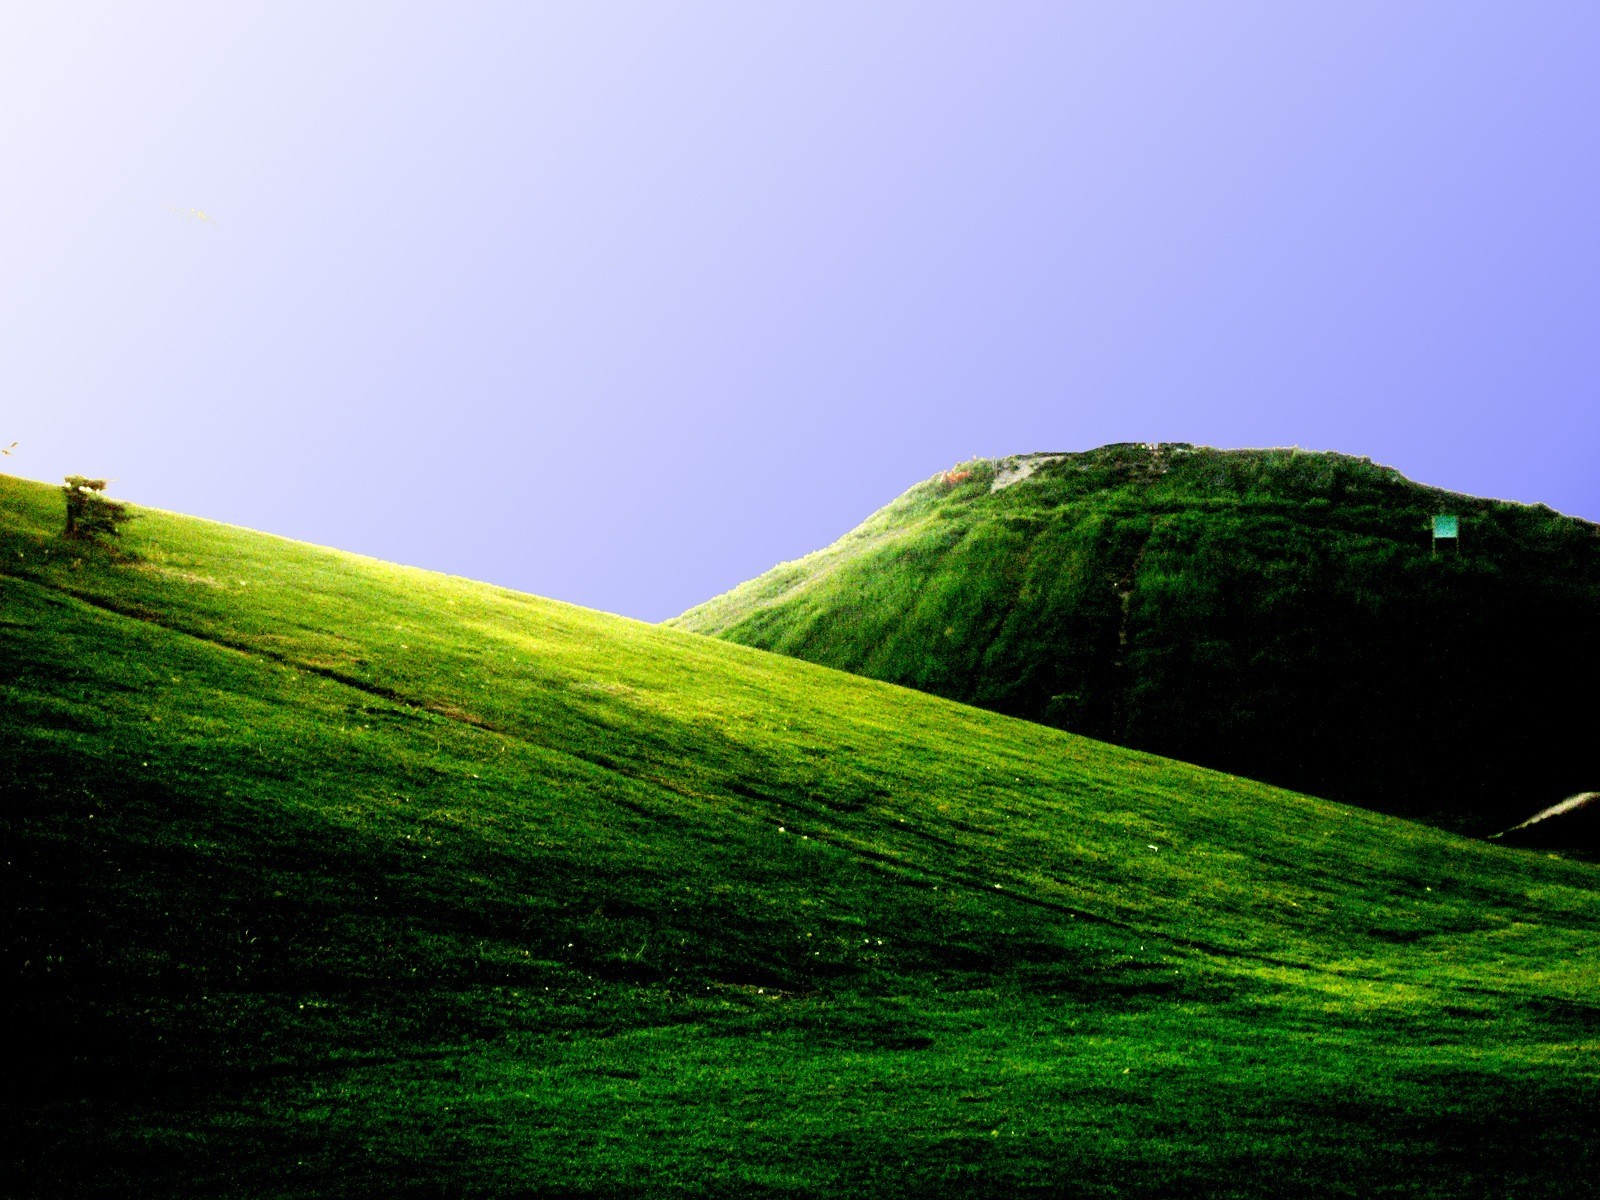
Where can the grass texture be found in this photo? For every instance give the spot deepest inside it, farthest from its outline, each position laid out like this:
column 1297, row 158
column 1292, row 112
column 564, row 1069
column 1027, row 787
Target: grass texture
column 1274, row 613
column 334, row 878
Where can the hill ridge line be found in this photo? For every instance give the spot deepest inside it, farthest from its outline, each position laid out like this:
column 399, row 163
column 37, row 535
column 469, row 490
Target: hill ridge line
column 872, row 858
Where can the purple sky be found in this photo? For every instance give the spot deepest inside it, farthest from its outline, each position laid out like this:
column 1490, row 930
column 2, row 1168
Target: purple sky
column 624, row 303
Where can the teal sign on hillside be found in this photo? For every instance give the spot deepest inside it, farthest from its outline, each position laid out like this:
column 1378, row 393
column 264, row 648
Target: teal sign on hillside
column 1446, row 526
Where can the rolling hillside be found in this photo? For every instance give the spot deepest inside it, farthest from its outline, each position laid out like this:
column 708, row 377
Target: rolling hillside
column 330, row 877
column 1274, row 613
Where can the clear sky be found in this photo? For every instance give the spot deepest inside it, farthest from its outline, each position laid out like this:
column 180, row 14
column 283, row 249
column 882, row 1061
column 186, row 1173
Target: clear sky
column 622, row 303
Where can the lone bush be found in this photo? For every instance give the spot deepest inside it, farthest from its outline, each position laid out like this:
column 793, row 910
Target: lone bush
column 91, row 515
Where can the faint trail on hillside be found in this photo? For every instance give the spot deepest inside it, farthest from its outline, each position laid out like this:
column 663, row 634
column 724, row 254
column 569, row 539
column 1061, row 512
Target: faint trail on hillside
column 1570, row 804
column 882, row 861
column 870, row 858
column 136, row 612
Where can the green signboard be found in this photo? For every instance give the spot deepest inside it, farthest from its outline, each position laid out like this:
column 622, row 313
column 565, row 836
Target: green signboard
column 1446, row 526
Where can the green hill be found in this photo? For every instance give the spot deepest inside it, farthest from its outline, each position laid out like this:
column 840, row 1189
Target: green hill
column 329, row 877
column 1274, row 613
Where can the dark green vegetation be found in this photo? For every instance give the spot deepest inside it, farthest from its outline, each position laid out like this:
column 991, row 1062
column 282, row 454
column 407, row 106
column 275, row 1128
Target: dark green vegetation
column 328, row 877
column 90, row 514
column 1274, row 613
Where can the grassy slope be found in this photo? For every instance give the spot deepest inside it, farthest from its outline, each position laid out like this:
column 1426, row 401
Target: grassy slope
column 1272, row 613
column 331, row 877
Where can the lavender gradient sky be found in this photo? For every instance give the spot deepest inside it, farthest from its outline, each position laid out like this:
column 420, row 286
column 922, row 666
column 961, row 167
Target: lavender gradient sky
column 624, row 303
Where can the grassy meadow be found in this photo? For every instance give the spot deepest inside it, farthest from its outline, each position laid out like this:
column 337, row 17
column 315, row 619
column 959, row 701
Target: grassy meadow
column 329, row 877
column 1279, row 614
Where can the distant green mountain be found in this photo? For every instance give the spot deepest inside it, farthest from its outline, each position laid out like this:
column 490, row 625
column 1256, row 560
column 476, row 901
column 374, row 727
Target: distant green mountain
column 327, row 877
column 1277, row 614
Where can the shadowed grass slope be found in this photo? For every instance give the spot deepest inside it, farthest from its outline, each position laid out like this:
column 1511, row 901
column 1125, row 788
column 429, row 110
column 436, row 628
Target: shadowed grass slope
column 330, row 877
column 1275, row 613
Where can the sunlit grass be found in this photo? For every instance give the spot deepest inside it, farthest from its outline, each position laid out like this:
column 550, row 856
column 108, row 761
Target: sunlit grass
column 336, row 877
column 1276, row 613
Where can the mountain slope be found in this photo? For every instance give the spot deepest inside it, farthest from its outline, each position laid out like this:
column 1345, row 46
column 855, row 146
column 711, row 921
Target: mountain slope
column 336, row 878
column 1278, row 614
